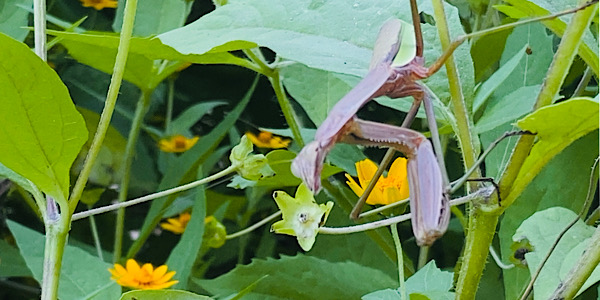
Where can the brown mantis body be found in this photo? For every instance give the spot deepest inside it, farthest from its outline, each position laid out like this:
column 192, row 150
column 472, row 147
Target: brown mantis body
column 428, row 199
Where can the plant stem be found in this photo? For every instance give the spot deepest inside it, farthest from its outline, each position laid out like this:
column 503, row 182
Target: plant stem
column 563, row 59
column 254, row 226
column 284, row 102
column 57, row 231
column 388, row 222
column 581, row 271
column 39, row 28
column 178, row 189
column 138, row 119
column 398, row 245
column 423, row 257
column 94, row 230
column 109, row 105
column 466, row 139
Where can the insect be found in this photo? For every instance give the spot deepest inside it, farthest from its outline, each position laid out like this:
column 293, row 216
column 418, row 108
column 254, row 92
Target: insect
column 429, row 199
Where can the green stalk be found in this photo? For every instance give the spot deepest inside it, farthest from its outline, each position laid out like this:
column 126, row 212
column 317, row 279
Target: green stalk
column 109, row 105
column 284, row 102
column 483, row 220
column 138, row 119
column 57, row 231
column 563, row 59
column 95, row 235
column 39, row 28
column 400, row 258
column 286, row 107
column 581, row 271
column 466, row 139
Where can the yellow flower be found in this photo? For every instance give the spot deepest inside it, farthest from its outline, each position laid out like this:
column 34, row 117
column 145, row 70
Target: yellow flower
column 144, row 278
column 99, row 4
column 177, row 225
column 177, row 143
column 267, row 140
column 388, row 189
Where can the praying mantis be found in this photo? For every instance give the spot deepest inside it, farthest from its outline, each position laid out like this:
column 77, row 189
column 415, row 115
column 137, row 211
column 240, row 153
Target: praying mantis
column 426, row 174
column 429, row 185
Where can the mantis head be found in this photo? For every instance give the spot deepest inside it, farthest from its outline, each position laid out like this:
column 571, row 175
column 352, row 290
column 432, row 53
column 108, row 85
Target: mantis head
column 309, row 164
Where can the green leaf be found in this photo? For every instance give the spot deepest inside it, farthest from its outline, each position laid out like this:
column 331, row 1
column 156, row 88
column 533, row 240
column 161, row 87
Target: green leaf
column 429, row 279
column 189, row 117
column 574, row 163
column 486, row 89
column 42, row 130
column 312, row 33
column 578, row 116
column 588, row 50
column 154, row 16
column 13, row 18
column 12, row 263
column 510, row 108
column 300, row 277
column 428, row 283
column 107, row 168
column 99, row 50
column 82, row 276
column 16, row 178
column 184, row 254
column 541, row 231
column 183, row 165
column 162, row 295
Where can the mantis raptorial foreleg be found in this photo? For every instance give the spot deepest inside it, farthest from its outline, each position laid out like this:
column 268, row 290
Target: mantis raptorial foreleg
column 387, row 78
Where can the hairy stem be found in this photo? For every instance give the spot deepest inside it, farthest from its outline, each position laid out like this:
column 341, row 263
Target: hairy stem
column 39, row 28
column 138, row 119
column 482, row 223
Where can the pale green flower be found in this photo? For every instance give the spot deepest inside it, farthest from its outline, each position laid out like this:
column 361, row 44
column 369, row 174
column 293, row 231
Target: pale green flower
column 302, row 216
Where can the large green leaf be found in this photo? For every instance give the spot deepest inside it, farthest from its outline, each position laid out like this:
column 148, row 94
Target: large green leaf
column 154, row 16
column 578, row 116
column 12, row 263
column 184, row 255
column 510, row 108
column 588, row 50
column 82, row 276
column 100, row 49
column 335, row 35
column 162, row 295
column 41, row 129
column 13, row 18
column 300, row 277
column 540, row 231
column 572, row 164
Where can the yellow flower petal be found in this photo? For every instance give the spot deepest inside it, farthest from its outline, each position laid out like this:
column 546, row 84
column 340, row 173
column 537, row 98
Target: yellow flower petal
column 132, row 266
column 267, row 140
column 177, row 143
column 177, row 225
column 99, row 4
column 388, row 189
column 144, row 278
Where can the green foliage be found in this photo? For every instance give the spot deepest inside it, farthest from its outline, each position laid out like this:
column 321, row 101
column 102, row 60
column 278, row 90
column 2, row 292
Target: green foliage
column 13, row 18
column 42, row 130
column 300, row 277
column 428, row 283
column 540, row 231
column 83, row 276
column 162, row 295
column 313, row 52
column 11, row 262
